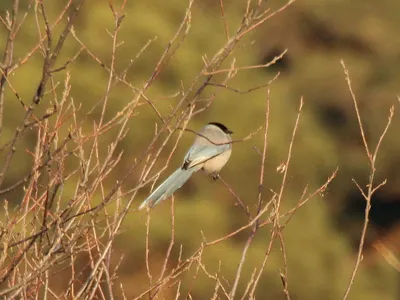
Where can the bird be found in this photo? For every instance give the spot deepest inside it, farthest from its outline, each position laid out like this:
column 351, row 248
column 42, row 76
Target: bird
column 210, row 152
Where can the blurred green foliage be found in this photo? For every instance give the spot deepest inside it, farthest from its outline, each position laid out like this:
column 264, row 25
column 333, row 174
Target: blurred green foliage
column 317, row 35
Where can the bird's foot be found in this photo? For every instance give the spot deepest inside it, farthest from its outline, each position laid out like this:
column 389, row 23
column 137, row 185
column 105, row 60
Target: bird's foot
column 215, row 176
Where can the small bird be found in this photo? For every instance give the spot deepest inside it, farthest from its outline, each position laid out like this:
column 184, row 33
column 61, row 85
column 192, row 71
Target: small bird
column 210, row 152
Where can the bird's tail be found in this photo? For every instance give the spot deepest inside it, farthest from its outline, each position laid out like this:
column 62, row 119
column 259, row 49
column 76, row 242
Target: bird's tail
column 168, row 187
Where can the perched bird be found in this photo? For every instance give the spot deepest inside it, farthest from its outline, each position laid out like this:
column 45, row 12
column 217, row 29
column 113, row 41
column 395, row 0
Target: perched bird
column 209, row 152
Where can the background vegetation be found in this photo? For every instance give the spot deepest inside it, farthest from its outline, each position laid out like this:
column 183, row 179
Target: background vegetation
column 88, row 123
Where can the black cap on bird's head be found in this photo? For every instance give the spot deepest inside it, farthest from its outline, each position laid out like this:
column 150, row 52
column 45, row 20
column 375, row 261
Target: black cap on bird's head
column 222, row 127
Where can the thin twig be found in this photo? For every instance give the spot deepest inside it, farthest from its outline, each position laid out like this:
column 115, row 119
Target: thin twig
column 371, row 181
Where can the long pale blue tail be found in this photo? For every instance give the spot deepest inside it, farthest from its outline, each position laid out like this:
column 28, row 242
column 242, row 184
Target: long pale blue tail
column 168, row 187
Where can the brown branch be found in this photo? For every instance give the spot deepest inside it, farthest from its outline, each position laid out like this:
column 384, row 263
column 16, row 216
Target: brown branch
column 272, row 62
column 371, row 181
column 49, row 61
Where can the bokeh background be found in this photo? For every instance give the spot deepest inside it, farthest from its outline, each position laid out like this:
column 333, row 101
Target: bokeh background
column 322, row 238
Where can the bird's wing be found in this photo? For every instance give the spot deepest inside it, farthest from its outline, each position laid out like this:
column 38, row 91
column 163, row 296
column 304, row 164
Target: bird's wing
column 198, row 154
